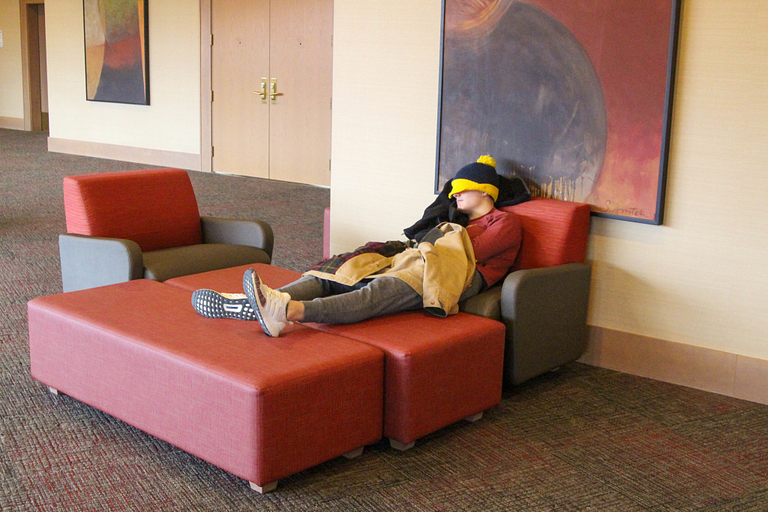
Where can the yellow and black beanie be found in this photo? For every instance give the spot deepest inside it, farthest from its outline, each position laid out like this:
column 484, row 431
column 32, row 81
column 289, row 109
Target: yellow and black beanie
column 480, row 175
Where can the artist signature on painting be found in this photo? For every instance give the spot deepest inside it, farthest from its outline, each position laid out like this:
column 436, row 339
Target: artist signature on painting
column 631, row 211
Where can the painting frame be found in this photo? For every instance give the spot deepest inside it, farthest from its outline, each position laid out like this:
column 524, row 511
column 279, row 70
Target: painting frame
column 116, row 40
column 628, row 166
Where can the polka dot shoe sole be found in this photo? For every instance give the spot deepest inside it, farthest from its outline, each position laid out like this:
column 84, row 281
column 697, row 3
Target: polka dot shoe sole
column 213, row 304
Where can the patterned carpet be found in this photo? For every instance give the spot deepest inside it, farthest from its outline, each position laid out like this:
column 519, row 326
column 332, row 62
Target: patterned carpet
column 583, row 438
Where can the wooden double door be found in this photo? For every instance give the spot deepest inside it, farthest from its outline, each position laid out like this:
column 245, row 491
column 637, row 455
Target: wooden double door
column 271, row 75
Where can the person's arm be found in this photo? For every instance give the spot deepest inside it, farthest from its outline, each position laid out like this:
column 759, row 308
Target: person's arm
column 501, row 234
column 497, row 246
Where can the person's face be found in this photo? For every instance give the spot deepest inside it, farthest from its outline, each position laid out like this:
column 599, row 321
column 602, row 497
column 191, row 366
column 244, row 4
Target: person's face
column 470, row 200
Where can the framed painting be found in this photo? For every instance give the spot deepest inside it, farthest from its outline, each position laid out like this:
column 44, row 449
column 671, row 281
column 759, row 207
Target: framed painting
column 116, row 51
column 573, row 97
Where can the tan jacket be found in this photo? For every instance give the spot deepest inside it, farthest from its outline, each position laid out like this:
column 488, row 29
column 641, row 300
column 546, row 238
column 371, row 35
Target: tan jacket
column 439, row 273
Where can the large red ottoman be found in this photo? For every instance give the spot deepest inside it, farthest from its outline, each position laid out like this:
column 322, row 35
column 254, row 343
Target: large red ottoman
column 438, row 370
column 230, row 280
column 258, row 407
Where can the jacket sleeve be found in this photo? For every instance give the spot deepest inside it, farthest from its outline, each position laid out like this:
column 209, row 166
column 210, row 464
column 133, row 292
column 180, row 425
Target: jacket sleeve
column 497, row 247
column 502, row 234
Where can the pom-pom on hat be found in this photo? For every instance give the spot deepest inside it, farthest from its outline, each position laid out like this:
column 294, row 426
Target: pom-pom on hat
column 480, row 175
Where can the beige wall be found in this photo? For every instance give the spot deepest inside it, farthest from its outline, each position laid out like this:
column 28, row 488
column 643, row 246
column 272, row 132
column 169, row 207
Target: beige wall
column 700, row 279
column 385, row 82
column 11, row 91
column 167, row 129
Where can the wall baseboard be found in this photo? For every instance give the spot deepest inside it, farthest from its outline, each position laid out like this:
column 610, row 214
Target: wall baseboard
column 12, row 123
column 187, row 161
column 677, row 363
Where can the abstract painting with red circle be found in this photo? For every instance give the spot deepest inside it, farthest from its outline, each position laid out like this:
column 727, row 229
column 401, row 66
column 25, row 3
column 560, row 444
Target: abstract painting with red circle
column 574, row 97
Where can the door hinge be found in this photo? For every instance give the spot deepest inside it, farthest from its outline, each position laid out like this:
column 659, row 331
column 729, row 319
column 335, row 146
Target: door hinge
column 212, row 151
column 211, row 96
column 211, row 38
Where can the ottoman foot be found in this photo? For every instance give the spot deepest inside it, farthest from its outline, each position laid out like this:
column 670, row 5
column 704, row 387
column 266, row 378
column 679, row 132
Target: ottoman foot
column 354, row 453
column 475, row 417
column 54, row 391
column 262, row 489
column 397, row 445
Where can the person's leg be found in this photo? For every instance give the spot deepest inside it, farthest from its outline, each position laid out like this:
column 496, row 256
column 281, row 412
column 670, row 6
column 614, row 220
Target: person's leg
column 311, row 287
column 376, row 298
column 268, row 305
column 381, row 296
column 275, row 308
column 213, row 304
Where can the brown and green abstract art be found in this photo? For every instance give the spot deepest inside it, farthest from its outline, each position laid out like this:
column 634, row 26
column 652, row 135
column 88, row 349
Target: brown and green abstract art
column 116, row 51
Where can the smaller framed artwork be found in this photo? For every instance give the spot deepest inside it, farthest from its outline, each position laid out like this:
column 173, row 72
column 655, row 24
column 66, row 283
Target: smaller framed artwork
column 116, row 51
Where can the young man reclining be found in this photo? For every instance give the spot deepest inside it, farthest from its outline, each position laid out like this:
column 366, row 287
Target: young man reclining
column 451, row 263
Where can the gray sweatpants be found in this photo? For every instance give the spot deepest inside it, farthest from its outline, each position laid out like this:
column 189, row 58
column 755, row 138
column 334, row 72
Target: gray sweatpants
column 330, row 302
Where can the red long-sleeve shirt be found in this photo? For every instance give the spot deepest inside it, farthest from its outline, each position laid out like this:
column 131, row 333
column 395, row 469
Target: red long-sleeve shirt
column 496, row 238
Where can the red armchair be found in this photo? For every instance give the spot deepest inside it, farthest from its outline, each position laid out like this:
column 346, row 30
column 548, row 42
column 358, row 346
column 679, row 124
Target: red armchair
column 146, row 224
column 544, row 301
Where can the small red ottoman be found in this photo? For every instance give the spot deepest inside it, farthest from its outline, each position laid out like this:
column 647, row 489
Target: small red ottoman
column 438, row 370
column 258, row 407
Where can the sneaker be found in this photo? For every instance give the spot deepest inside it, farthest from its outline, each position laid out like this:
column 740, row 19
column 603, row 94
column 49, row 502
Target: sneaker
column 268, row 305
column 213, row 304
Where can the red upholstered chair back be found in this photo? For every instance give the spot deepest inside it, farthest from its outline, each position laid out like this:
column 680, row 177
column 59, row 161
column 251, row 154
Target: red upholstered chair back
column 554, row 232
column 155, row 208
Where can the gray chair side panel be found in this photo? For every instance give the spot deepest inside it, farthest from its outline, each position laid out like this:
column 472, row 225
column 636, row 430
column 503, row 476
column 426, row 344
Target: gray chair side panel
column 253, row 233
column 88, row 262
column 193, row 259
column 545, row 311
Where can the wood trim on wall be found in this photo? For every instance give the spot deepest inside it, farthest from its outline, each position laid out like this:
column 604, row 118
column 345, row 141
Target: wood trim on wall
column 12, row 123
column 677, row 363
column 161, row 158
column 30, row 67
column 206, row 140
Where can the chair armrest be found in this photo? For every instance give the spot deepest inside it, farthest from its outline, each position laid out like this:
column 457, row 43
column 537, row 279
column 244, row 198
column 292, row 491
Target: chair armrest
column 88, row 261
column 253, row 233
column 487, row 303
column 545, row 311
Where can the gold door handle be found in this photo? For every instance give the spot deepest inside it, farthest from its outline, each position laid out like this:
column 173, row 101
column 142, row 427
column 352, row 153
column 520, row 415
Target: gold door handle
column 273, row 94
column 263, row 91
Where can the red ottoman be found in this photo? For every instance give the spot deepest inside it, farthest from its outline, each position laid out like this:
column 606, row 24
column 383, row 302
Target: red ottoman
column 438, row 370
column 230, row 280
column 258, row 407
